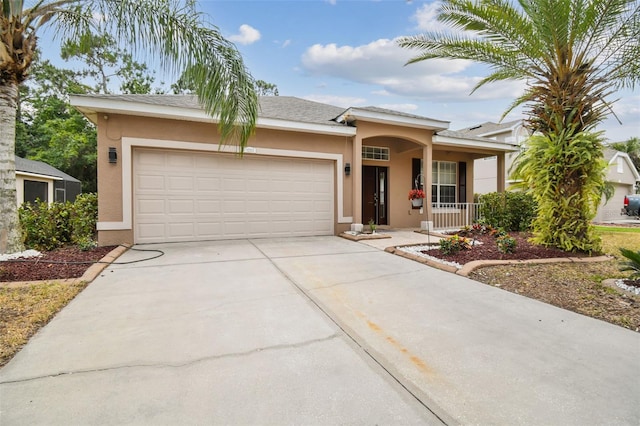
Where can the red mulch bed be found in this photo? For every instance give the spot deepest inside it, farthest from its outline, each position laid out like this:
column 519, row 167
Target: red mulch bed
column 488, row 250
column 65, row 262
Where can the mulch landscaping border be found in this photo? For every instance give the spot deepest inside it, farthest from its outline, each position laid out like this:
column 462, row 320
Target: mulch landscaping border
column 89, row 275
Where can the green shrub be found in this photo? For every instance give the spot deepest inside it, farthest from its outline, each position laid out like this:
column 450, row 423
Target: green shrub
column 511, row 211
column 454, row 244
column 44, row 227
column 84, row 215
column 506, row 244
column 566, row 174
column 47, row 227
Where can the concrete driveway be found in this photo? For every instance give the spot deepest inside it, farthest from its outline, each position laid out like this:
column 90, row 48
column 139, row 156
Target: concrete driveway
column 314, row 331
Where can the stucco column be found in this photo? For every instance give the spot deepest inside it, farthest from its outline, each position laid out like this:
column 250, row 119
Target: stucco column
column 356, row 174
column 501, row 175
column 426, row 221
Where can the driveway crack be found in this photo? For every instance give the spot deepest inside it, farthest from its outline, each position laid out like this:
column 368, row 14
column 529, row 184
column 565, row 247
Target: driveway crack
column 179, row 365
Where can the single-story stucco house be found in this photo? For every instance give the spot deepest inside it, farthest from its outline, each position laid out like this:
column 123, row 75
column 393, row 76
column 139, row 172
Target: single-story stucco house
column 622, row 175
column 37, row 180
column 309, row 169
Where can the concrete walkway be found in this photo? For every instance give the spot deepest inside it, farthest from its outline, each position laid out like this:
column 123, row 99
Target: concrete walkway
column 319, row 331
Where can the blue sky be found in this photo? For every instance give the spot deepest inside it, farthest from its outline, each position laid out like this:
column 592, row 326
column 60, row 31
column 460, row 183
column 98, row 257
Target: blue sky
column 342, row 52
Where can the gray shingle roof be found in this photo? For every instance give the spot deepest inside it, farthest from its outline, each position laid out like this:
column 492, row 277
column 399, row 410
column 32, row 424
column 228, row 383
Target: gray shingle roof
column 296, row 109
column 271, row 107
column 394, row 112
column 40, row 168
column 487, row 127
column 462, row 135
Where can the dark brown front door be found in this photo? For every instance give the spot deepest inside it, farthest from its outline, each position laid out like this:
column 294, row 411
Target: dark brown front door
column 374, row 195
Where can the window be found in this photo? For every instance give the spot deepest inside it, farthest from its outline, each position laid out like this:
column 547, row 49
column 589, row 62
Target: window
column 443, row 188
column 35, row 190
column 375, row 153
column 620, row 165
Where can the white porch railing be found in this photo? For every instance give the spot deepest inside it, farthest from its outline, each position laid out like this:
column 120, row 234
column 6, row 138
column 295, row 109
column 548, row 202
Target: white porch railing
column 453, row 216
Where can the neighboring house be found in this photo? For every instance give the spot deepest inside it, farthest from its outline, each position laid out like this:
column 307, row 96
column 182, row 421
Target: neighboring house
column 309, row 169
column 623, row 176
column 38, row 180
column 512, row 132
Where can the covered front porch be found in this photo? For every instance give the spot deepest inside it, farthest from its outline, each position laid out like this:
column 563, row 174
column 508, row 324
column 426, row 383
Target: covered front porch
column 391, row 160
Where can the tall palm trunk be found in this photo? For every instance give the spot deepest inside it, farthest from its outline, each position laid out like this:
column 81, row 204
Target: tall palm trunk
column 10, row 237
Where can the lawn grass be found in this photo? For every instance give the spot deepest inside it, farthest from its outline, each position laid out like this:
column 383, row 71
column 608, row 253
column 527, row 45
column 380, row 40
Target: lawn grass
column 24, row 310
column 613, row 238
column 618, row 229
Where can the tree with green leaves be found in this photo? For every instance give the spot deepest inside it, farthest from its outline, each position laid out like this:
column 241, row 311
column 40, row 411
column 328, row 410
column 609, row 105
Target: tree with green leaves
column 172, row 32
column 49, row 129
column 105, row 60
column 573, row 55
column 266, row 89
column 632, row 147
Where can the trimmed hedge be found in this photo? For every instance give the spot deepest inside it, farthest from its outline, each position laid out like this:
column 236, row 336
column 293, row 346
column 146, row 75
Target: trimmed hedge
column 511, row 211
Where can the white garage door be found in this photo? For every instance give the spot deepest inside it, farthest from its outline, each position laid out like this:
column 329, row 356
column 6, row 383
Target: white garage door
column 186, row 196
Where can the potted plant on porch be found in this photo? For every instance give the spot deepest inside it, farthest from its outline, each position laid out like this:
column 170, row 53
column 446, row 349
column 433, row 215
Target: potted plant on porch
column 416, row 196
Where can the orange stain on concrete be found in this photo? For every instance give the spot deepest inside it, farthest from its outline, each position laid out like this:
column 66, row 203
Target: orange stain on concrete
column 419, row 363
column 374, row 326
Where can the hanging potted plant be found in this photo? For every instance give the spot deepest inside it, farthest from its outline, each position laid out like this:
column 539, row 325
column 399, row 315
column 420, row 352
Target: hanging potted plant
column 416, row 196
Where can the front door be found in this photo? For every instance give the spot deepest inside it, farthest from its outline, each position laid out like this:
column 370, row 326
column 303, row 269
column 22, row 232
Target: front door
column 374, row 195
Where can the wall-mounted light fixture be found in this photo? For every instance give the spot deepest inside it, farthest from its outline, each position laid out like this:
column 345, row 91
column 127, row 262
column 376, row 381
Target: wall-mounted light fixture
column 347, row 169
column 113, row 155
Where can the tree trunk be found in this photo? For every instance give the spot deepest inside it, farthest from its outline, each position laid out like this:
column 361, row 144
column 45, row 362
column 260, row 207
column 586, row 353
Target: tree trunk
column 10, row 236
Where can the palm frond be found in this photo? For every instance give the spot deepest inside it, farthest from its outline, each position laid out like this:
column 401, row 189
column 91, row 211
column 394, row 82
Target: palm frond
column 179, row 38
column 632, row 262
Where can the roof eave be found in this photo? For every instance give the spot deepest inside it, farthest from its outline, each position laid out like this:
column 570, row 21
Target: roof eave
column 474, row 143
column 353, row 114
column 91, row 107
column 38, row 175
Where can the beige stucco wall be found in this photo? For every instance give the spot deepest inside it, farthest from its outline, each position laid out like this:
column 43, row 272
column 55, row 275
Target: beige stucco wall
column 112, row 127
column 405, row 144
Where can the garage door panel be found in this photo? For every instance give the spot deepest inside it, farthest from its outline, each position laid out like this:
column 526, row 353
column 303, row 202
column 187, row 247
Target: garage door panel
column 180, row 183
column 150, row 207
column 151, row 158
column 183, row 207
column 209, row 230
column 179, row 231
column 183, row 196
column 180, row 160
column 151, row 232
column 150, row 182
column 206, row 207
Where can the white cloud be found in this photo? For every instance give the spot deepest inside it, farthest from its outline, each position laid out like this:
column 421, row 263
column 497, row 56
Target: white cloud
column 426, row 18
column 381, row 63
column 247, row 35
column 368, row 63
column 286, row 43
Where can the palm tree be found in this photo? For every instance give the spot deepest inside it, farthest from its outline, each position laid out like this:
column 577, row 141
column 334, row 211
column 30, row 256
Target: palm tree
column 173, row 32
column 573, row 55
